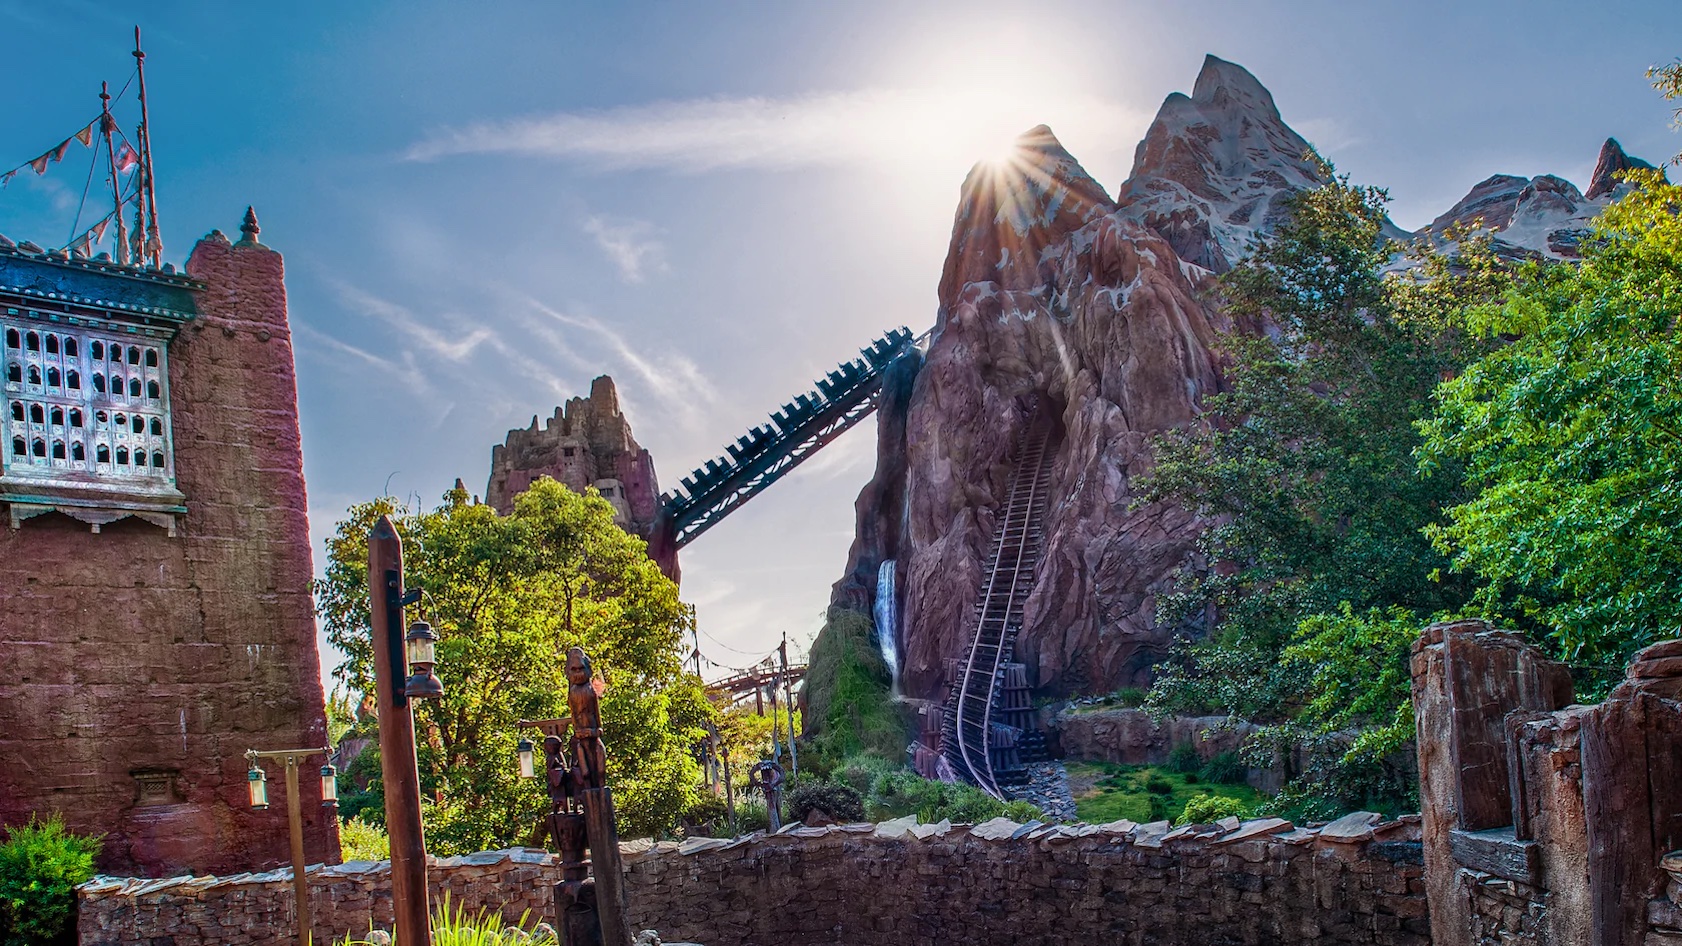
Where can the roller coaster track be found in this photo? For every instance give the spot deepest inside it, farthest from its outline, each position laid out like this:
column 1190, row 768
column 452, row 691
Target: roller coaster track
column 767, row 453
column 979, row 730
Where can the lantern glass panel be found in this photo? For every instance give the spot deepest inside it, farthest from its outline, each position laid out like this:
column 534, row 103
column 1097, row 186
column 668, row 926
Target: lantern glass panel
column 258, row 783
column 527, row 768
column 329, row 785
column 420, row 647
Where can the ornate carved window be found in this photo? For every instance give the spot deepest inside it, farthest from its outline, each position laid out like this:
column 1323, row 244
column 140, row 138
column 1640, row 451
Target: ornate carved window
column 129, row 438
column 85, row 426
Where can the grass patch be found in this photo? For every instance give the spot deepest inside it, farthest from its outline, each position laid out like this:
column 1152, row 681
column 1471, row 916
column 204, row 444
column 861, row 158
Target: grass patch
column 1127, row 791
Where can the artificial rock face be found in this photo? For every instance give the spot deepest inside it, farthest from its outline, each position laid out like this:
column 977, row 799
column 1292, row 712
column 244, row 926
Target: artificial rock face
column 1099, row 311
column 587, row 443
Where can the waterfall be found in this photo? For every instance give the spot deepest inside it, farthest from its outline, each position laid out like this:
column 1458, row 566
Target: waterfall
column 887, row 621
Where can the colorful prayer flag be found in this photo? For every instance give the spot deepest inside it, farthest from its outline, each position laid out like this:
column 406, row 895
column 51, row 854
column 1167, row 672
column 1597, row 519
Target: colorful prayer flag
column 85, row 136
column 57, row 154
column 6, row 178
column 99, row 229
column 126, row 159
column 40, row 163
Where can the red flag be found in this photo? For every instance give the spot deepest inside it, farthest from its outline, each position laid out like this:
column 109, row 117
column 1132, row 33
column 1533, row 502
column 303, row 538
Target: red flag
column 85, row 136
column 40, row 163
column 126, row 159
column 57, row 154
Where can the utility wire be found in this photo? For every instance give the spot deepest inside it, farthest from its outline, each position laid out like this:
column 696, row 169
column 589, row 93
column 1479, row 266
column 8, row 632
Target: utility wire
column 86, row 188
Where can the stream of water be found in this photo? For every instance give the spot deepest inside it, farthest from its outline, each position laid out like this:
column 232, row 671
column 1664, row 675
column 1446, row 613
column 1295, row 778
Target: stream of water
column 887, row 621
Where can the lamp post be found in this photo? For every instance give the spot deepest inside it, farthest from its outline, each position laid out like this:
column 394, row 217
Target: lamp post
column 396, row 680
column 257, row 784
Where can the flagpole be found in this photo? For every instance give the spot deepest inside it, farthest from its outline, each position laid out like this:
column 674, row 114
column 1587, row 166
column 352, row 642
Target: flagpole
column 149, row 192
column 105, row 124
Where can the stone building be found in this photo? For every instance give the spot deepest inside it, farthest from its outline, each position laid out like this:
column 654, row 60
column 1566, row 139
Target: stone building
column 586, row 443
column 155, row 616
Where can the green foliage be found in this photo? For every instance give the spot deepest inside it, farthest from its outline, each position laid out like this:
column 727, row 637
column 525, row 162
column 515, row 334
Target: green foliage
column 1184, row 759
column 341, row 715
column 40, row 865
column 508, row 595
column 362, row 788
column 1307, row 465
column 1571, row 435
column 1226, row 767
column 849, row 695
column 1157, row 808
column 1668, row 80
column 839, row 801
column 361, row 841
column 1207, row 809
column 1129, row 697
column 1124, row 791
column 484, row 928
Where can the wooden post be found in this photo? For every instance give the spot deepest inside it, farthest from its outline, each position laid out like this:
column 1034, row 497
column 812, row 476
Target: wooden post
column 295, row 820
column 788, row 702
column 398, row 765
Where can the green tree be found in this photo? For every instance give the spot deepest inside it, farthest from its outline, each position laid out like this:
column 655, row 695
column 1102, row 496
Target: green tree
column 1571, row 437
column 1305, row 463
column 508, row 595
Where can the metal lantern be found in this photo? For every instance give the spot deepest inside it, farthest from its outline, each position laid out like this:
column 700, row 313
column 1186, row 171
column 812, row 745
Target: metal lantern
column 258, row 783
column 422, row 647
column 329, row 785
column 527, row 768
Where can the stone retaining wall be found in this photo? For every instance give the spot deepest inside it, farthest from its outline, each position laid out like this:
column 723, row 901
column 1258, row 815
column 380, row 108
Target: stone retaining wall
column 896, row 883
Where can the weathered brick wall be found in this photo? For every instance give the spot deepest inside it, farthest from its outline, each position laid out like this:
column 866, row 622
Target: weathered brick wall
column 130, row 650
column 877, row 885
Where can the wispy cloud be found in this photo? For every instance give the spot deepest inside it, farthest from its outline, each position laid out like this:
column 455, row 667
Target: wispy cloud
column 674, row 380
column 453, row 346
column 876, row 127
column 1327, row 134
column 630, row 244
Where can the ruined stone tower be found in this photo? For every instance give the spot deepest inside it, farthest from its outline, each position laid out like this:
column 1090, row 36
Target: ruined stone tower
column 155, row 616
column 586, row 443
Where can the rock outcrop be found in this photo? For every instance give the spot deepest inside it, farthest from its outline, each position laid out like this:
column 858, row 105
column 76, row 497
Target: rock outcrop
column 1095, row 309
column 586, row 443
column 1544, row 216
column 1054, row 295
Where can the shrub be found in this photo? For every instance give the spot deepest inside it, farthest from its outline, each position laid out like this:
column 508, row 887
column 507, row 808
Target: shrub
column 40, row 865
column 840, row 802
column 1206, row 809
column 1159, row 808
column 1184, row 759
column 1130, row 697
column 752, row 815
column 1157, row 785
column 484, row 928
column 1226, row 768
column 361, row 841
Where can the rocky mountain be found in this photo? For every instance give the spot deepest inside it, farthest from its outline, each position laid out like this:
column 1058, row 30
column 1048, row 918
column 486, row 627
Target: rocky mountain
column 1055, row 298
column 1542, row 216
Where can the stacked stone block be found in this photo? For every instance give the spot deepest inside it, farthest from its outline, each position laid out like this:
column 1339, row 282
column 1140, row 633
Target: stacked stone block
column 1255, row 883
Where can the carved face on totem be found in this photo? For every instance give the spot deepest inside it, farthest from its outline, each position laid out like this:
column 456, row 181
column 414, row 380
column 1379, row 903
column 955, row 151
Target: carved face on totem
column 578, row 667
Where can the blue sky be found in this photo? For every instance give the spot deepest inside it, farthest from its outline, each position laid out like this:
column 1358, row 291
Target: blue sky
column 484, row 206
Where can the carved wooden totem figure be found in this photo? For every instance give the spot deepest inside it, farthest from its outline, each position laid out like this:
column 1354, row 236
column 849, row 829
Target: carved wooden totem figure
column 589, row 781
column 575, row 895
column 767, row 776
